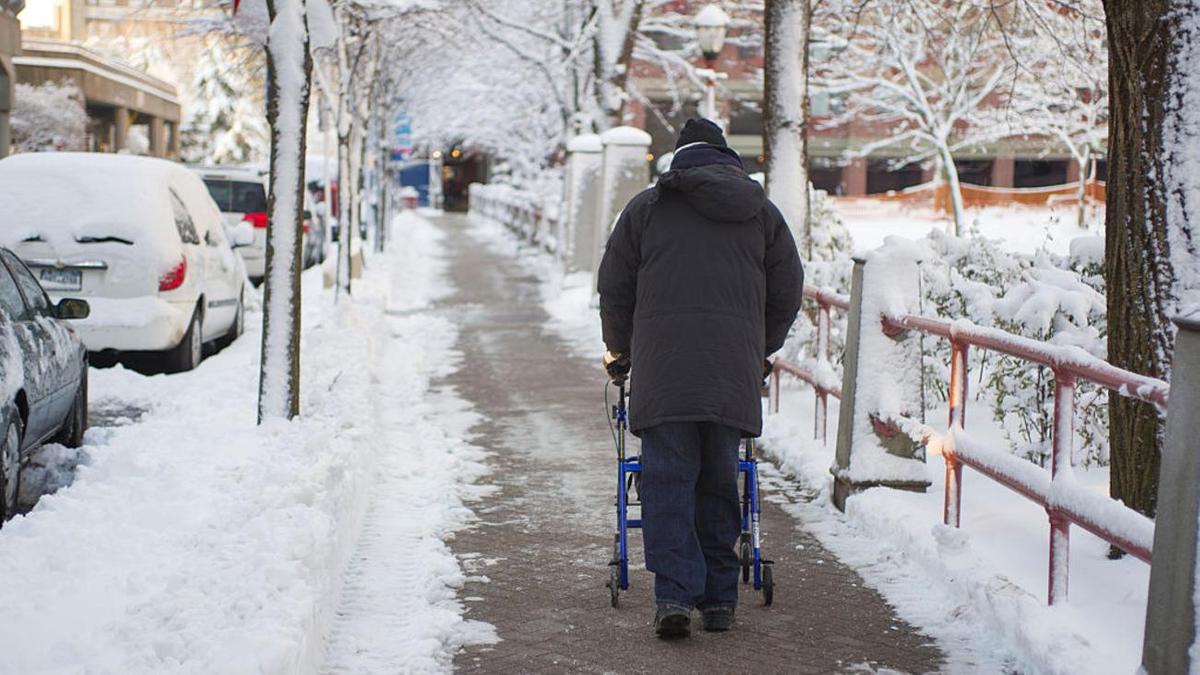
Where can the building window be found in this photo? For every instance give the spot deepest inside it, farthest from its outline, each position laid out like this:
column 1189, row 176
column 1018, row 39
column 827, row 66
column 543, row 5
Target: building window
column 974, row 171
column 884, row 176
column 1039, row 172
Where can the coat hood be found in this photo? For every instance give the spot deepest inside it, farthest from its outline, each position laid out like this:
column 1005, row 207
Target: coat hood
column 719, row 192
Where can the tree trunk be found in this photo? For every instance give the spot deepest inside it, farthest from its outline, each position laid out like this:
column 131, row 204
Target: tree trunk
column 950, row 174
column 290, row 69
column 1136, row 262
column 785, row 108
column 611, row 69
column 344, row 207
column 1084, row 162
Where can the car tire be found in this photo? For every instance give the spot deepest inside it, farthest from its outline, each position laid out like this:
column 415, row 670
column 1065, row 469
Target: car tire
column 190, row 351
column 76, row 424
column 10, row 464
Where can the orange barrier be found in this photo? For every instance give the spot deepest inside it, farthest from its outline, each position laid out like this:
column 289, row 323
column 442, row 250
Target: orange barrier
column 936, row 195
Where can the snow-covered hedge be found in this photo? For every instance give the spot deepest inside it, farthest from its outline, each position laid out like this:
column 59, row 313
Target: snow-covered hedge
column 1042, row 296
column 49, row 116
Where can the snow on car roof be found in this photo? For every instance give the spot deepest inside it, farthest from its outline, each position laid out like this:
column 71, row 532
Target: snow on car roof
column 61, row 198
column 219, row 172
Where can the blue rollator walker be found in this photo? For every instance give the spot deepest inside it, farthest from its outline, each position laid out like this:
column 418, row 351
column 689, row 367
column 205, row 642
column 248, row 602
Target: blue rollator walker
column 629, row 470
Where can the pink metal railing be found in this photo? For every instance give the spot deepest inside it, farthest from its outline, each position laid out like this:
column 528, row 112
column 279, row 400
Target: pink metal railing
column 1065, row 503
column 825, row 299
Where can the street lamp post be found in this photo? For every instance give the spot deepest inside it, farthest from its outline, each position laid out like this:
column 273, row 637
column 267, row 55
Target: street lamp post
column 711, row 24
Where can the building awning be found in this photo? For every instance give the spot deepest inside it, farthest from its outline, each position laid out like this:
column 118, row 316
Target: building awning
column 103, row 81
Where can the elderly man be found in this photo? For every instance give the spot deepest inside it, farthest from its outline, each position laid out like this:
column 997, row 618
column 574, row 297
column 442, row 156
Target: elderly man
column 700, row 281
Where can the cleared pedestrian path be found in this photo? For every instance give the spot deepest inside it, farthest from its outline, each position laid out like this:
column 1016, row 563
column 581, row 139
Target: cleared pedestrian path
column 537, row 558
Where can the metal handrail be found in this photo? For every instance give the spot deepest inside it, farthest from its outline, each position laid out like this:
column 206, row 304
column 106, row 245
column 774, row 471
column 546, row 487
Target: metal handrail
column 1064, row 501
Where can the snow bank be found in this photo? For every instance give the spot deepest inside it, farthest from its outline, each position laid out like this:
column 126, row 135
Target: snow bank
column 194, row 541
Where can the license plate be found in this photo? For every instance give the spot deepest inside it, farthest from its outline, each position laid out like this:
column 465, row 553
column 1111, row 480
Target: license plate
column 61, row 280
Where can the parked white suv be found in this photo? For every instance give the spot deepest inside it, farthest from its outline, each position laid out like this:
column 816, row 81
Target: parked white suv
column 241, row 195
column 138, row 238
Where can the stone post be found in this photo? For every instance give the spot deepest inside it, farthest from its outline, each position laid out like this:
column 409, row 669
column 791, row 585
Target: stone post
column 880, row 381
column 157, row 137
column 120, row 129
column 625, row 172
column 584, row 160
column 1171, row 606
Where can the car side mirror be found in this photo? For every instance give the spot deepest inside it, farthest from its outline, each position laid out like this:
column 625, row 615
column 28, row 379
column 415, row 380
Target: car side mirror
column 72, row 308
column 241, row 235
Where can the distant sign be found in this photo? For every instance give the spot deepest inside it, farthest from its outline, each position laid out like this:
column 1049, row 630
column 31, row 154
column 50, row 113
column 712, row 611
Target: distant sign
column 402, row 141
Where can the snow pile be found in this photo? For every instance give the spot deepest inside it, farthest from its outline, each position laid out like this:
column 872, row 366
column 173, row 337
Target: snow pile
column 194, row 541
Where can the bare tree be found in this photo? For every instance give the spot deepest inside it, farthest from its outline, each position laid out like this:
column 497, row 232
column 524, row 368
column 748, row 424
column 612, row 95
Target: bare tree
column 1061, row 89
column 927, row 72
column 785, row 112
column 289, row 66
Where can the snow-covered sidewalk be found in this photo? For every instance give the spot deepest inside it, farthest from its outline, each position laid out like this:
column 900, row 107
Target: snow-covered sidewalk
column 194, row 541
column 979, row 590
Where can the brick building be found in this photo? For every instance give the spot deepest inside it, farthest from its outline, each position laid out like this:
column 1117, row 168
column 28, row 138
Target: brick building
column 1009, row 163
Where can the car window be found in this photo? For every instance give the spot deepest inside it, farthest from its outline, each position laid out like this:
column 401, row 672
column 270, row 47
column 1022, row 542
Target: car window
column 248, row 197
column 10, row 298
column 236, row 196
column 183, row 221
column 35, row 297
column 220, row 191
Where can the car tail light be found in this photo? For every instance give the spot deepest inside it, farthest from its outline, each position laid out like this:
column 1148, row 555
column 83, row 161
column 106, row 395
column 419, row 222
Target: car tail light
column 174, row 277
column 307, row 226
column 258, row 220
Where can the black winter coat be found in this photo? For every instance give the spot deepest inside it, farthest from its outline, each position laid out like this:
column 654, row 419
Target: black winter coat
column 700, row 281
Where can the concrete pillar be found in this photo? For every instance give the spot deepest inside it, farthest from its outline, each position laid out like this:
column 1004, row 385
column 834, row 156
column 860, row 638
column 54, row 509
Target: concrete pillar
column 173, row 140
column 1003, row 172
column 158, row 145
column 1171, row 606
column 584, row 161
column 624, row 173
column 854, row 177
column 866, row 437
column 120, row 128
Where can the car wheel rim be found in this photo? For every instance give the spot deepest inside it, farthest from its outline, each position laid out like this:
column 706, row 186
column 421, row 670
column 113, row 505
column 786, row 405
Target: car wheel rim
column 12, row 442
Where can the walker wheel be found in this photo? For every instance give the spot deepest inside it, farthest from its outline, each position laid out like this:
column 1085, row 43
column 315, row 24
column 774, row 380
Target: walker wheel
column 768, row 585
column 614, row 583
column 746, row 556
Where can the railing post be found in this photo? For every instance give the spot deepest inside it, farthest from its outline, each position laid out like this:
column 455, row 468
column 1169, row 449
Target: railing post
column 1063, row 440
column 1171, row 607
column 582, row 188
column 624, row 173
column 821, row 413
column 952, row 505
column 855, row 466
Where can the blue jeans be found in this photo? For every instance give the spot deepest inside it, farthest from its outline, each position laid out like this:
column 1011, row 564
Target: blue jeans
column 691, row 516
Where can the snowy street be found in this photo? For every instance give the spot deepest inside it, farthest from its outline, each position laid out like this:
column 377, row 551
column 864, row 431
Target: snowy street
column 193, row 541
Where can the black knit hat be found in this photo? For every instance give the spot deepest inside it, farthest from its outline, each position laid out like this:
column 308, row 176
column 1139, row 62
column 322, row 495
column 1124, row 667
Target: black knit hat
column 700, row 131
